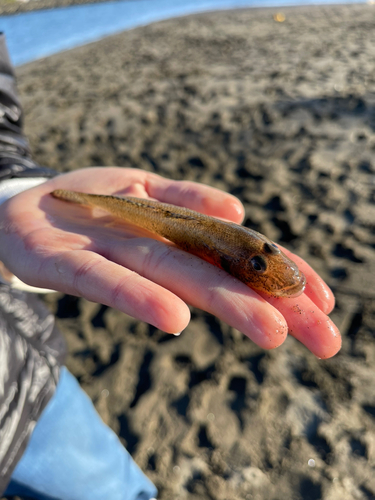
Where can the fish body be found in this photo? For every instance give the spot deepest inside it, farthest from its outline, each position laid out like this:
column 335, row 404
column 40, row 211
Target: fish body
column 244, row 253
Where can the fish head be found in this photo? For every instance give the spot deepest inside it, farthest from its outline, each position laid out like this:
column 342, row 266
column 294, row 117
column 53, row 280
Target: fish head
column 272, row 272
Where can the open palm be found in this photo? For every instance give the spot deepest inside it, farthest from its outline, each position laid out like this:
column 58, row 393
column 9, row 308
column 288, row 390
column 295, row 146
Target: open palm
column 73, row 249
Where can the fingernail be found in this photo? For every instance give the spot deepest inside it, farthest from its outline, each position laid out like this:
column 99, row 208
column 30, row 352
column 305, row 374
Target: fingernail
column 176, row 334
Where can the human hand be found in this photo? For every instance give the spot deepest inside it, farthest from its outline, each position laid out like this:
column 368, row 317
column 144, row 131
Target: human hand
column 87, row 253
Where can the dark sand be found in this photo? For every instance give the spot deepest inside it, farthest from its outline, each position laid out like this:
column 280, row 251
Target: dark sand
column 10, row 7
column 283, row 116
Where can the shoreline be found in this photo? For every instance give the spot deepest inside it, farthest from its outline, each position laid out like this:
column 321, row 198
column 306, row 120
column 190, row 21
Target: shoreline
column 266, row 9
column 269, row 10
column 11, row 7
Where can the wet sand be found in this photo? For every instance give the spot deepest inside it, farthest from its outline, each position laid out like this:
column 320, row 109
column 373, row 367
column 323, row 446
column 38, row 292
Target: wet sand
column 283, row 116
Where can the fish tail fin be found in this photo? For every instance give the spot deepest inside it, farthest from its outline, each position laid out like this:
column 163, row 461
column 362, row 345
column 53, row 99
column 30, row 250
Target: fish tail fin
column 72, row 196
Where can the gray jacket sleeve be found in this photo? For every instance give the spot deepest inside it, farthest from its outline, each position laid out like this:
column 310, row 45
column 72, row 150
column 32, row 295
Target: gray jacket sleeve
column 15, row 155
column 31, row 348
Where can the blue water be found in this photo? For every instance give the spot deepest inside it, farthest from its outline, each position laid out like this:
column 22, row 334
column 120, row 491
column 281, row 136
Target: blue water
column 41, row 33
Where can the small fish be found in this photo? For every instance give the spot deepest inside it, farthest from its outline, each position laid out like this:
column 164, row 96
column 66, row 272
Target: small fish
column 245, row 254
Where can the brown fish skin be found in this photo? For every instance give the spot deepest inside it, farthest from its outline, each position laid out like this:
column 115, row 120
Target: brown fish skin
column 245, row 254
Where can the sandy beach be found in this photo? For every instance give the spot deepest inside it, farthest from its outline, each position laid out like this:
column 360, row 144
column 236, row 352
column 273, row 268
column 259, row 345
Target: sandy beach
column 10, row 7
column 281, row 114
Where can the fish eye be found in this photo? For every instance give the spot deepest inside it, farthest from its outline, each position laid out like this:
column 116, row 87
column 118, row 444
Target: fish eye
column 259, row 264
column 271, row 248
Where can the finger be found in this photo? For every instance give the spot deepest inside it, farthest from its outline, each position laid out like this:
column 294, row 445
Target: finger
column 89, row 275
column 203, row 199
column 213, row 290
column 309, row 325
column 134, row 182
column 316, row 289
column 205, row 286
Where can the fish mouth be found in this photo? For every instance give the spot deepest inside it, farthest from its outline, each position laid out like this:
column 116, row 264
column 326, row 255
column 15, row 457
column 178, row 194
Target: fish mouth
column 294, row 290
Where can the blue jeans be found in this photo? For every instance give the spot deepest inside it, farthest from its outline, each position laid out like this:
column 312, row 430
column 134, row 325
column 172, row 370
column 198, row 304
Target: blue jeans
column 73, row 455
